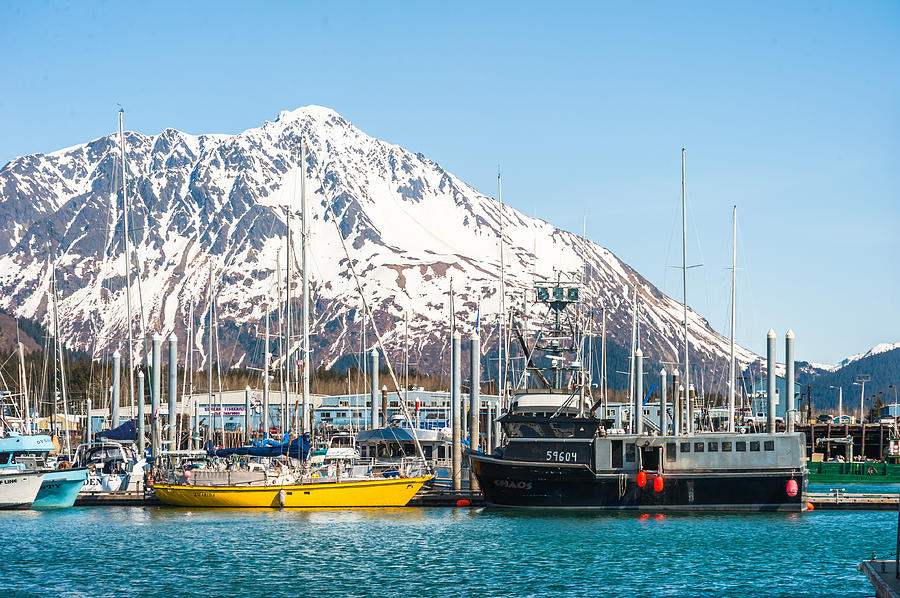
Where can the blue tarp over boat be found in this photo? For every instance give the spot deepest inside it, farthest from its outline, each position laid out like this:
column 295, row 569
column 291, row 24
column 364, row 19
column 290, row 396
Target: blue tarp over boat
column 126, row 431
column 298, row 448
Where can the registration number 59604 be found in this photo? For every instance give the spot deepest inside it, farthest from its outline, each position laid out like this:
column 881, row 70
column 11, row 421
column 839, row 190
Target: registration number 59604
column 562, row 456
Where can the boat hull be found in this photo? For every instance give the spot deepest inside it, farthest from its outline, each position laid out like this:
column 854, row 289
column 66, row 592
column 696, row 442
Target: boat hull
column 18, row 490
column 60, row 488
column 536, row 485
column 389, row 492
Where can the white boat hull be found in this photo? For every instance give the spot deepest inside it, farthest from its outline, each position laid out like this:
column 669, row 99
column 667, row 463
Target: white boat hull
column 18, row 490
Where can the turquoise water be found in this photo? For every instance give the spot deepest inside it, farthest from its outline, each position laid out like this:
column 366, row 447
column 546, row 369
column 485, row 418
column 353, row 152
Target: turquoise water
column 157, row 551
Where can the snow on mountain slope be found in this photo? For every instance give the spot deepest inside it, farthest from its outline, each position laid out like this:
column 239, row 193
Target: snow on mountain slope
column 879, row 348
column 219, row 201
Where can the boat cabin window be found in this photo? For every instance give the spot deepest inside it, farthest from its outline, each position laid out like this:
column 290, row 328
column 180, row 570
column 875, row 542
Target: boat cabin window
column 442, row 452
column 713, row 447
column 698, row 447
column 726, row 446
column 650, row 457
column 4, row 458
column 629, row 452
column 769, row 445
column 427, row 450
column 740, row 446
column 670, row 451
column 685, row 447
column 617, row 454
column 754, row 446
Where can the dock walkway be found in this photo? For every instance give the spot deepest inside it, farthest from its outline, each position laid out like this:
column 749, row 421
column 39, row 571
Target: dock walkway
column 883, row 575
column 851, row 501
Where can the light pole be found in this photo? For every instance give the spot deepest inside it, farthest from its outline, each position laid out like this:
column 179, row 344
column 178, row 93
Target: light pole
column 862, row 379
column 894, row 410
column 840, row 400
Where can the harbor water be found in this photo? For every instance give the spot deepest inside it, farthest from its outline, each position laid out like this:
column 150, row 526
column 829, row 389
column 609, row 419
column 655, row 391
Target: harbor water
column 163, row 551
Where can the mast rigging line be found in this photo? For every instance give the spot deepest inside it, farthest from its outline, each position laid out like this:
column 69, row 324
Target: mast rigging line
column 365, row 304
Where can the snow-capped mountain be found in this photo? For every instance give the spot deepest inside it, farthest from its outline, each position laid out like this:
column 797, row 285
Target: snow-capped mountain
column 217, row 202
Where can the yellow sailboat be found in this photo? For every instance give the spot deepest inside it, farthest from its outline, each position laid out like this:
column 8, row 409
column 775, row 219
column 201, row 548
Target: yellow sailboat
column 387, row 492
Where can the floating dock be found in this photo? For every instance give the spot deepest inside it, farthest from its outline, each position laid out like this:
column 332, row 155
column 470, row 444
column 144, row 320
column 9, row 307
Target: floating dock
column 839, row 500
column 116, row 499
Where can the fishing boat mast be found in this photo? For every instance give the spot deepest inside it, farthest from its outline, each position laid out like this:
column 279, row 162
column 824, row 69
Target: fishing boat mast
column 209, row 336
column 501, row 390
column 684, row 267
column 731, row 352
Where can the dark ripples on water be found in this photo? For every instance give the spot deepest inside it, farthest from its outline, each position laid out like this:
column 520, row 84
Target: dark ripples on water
column 437, row 552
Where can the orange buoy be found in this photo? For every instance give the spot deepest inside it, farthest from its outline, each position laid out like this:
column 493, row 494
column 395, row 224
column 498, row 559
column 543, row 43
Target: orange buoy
column 810, row 507
column 463, row 502
column 658, row 483
column 642, row 479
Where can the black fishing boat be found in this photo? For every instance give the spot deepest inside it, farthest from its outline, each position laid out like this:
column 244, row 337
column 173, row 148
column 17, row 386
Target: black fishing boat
column 559, row 454
column 572, row 462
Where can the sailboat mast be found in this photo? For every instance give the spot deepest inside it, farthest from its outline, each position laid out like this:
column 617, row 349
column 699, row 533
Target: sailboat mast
column 127, row 260
column 687, row 367
column 304, row 244
column 62, row 364
column 287, row 325
column 265, row 421
column 406, row 362
column 731, row 356
column 209, row 336
column 281, row 350
column 23, row 385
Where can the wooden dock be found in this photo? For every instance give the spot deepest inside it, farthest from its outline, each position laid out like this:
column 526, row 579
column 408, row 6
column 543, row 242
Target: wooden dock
column 852, row 501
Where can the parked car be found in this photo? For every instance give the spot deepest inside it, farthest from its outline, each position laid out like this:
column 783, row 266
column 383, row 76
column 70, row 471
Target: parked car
column 825, row 418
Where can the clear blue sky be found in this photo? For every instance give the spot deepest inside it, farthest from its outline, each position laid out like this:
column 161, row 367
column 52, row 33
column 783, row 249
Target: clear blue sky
column 789, row 110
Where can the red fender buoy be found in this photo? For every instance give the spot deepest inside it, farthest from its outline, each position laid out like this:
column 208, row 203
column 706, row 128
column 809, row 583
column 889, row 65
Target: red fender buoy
column 463, row 502
column 642, row 479
column 658, row 483
column 792, row 488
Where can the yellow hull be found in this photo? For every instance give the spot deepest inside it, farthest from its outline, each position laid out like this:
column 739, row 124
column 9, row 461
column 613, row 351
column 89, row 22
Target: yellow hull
column 388, row 492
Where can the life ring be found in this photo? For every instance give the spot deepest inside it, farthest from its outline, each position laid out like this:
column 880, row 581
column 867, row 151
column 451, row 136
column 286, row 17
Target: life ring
column 63, row 465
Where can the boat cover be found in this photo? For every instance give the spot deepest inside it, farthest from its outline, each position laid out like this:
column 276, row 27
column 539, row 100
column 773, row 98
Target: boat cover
column 297, row 448
column 126, row 431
